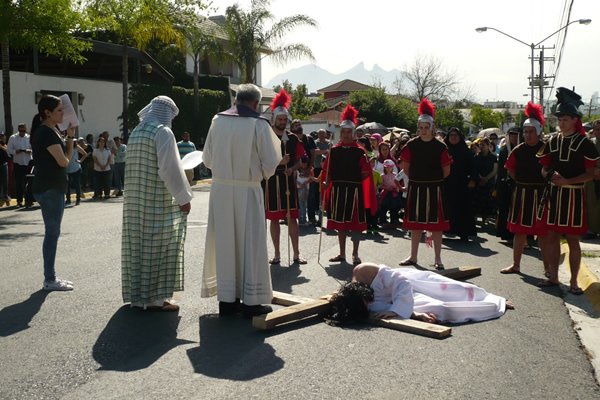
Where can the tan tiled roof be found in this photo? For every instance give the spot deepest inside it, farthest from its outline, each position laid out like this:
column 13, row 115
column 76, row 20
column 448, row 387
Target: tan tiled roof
column 347, row 85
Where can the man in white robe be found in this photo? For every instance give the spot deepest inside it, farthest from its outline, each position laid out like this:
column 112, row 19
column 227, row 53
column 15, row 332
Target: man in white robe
column 241, row 149
column 423, row 295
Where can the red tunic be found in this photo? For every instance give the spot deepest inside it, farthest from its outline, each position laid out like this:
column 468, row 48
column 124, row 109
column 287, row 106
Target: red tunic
column 277, row 186
column 565, row 208
column 350, row 188
column 424, row 201
column 527, row 194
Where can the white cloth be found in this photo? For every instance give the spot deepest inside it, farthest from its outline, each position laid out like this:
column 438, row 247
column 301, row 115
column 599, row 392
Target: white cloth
column 402, row 177
column 102, row 156
column 16, row 142
column 170, row 168
column 407, row 290
column 161, row 109
column 241, row 152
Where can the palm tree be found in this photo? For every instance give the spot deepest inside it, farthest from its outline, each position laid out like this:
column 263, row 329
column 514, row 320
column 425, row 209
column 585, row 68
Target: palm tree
column 25, row 24
column 201, row 36
column 136, row 23
column 249, row 37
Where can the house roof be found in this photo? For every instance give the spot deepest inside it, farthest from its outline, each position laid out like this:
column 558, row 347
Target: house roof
column 346, row 85
column 215, row 27
column 331, row 116
column 335, row 101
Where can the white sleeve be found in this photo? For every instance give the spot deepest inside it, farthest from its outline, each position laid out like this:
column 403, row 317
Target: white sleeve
column 170, row 169
column 11, row 147
column 206, row 151
column 402, row 298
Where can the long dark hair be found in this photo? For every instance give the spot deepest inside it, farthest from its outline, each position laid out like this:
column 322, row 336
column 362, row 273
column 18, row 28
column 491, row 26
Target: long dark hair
column 47, row 102
column 349, row 304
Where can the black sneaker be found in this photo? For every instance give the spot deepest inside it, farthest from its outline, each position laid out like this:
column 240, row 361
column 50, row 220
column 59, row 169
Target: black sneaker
column 253, row 311
column 226, row 308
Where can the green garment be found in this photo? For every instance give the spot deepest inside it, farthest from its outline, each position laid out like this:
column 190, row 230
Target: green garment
column 153, row 227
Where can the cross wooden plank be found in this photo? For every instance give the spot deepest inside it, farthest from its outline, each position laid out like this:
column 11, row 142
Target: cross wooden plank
column 303, row 307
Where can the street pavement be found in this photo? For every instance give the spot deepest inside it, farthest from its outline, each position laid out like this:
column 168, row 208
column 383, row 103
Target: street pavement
column 86, row 344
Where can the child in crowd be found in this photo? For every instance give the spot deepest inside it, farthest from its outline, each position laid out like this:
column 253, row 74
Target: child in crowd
column 402, row 179
column 304, row 177
column 372, row 219
column 389, row 198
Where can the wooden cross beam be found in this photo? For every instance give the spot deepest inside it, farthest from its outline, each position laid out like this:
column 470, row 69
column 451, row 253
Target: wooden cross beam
column 298, row 308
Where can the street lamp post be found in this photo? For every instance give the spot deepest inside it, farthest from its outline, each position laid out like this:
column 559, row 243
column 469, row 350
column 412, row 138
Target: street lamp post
column 532, row 46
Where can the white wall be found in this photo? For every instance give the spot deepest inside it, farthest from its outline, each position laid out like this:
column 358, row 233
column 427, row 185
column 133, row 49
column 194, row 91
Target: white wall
column 102, row 105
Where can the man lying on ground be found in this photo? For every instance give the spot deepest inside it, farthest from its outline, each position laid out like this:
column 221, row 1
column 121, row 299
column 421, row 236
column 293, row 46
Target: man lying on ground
column 382, row 292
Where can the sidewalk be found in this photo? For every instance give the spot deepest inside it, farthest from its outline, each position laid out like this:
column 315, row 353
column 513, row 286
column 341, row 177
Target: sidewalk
column 88, row 195
column 585, row 310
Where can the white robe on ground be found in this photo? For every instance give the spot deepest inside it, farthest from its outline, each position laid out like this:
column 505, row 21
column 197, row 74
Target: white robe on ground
column 404, row 290
column 241, row 152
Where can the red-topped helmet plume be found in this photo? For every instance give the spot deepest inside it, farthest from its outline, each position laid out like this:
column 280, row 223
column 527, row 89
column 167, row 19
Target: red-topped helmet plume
column 426, row 107
column 535, row 117
column 349, row 114
column 281, row 103
column 535, row 111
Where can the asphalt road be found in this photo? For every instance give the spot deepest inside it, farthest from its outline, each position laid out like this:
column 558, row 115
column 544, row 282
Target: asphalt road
column 86, row 344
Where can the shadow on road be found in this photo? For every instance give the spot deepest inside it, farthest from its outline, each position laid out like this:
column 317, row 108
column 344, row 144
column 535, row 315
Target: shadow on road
column 284, row 277
column 16, row 318
column 134, row 339
column 230, row 348
column 472, row 247
column 341, row 271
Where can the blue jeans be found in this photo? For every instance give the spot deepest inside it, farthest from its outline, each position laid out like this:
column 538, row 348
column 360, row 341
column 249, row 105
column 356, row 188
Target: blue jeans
column 74, row 183
column 119, row 175
column 53, row 206
column 302, row 200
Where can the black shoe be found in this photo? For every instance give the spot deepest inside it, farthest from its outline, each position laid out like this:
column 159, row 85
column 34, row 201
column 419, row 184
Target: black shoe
column 252, row 311
column 227, row 308
column 77, row 202
column 119, row 193
column 68, row 202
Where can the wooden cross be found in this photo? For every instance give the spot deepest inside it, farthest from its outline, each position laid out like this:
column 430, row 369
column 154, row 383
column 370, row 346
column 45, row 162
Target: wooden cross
column 299, row 308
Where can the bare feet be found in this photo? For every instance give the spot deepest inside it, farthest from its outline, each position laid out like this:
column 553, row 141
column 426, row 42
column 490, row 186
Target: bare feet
column 513, row 269
column 509, row 305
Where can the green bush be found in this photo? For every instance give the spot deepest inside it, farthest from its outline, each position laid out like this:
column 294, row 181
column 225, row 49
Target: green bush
column 211, row 103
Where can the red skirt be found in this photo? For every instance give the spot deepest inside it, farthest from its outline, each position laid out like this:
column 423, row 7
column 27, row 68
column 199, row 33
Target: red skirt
column 425, row 207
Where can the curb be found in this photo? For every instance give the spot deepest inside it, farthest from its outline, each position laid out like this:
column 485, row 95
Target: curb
column 586, row 279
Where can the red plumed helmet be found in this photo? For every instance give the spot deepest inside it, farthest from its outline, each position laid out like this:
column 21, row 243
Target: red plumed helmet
column 535, row 111
column 350, row 114
column 282, row 99
column 427, row 107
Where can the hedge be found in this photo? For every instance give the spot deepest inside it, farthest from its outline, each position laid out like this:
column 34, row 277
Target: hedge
column 211, row 102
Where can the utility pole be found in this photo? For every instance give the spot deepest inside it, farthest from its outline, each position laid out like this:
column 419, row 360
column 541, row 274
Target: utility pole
column 541, row 80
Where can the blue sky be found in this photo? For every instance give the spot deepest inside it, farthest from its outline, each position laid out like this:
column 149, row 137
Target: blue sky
column 393, row 33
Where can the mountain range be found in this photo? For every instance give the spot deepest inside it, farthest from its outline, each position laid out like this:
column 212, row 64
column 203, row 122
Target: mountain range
column 315, row 77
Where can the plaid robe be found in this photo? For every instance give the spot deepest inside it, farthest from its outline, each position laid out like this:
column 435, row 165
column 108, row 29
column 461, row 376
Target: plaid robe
column 153, row 227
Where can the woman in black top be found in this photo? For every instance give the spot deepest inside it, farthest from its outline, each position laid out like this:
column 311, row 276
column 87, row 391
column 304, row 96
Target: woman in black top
column 51, row 157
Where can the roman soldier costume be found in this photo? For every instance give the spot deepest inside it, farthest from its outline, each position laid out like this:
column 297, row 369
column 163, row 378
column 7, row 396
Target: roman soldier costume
column 529, row 183
column 564, row 206
column 424, row 202
column 280, row 189
column 349, row 179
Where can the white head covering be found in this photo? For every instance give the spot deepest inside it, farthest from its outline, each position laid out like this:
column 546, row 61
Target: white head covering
column 161, row 109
